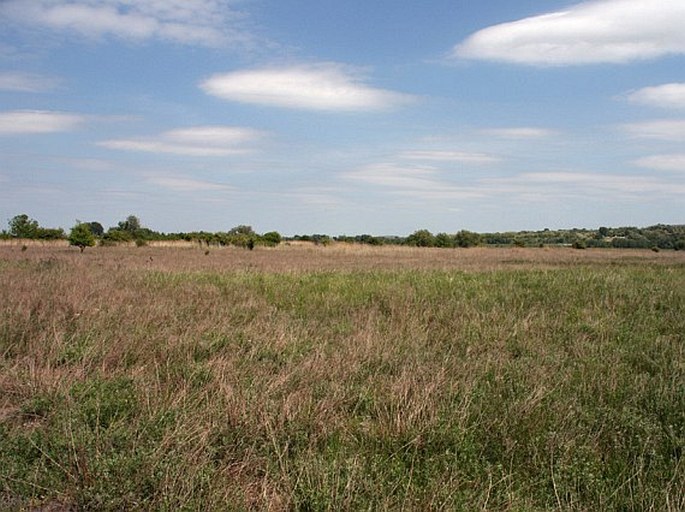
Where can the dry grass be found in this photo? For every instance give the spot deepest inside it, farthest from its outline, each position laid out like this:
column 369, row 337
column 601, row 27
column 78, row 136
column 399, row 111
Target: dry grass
column 344, row 377
column 307, row 257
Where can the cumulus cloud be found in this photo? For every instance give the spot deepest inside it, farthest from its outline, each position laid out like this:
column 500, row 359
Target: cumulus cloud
column 663, row 96
column 325, row 87
column 17, row 122
column 449, row 156
column 661, row 129
column 203, row 22
column 596, row 31
column 26, row 82
column 671, row 162
column 194, row 141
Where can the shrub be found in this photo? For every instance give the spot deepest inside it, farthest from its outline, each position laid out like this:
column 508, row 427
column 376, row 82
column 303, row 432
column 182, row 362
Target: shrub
column 81, row 236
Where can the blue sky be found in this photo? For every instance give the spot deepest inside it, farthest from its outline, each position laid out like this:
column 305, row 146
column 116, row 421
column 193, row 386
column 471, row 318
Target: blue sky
column 311, row 116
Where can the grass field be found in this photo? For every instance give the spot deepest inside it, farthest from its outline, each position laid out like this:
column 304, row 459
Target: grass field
column 346, row 378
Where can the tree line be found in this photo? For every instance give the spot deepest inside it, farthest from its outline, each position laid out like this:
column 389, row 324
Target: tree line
column 87, row 234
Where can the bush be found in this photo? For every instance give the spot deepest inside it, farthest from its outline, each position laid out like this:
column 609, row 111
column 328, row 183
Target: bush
column 272, row 238
column 81, row 236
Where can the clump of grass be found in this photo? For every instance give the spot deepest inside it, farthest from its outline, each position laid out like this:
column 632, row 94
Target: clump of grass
column 125, row 385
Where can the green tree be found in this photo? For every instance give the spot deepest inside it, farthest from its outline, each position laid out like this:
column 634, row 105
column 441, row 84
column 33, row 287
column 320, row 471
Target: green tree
column 96, row 228
column 467, row 239
column 241, row 236
column 21, row 226
column 421, row 238
column 272, row 238
column 130, row 225
column 81, row 236
column 444, row 240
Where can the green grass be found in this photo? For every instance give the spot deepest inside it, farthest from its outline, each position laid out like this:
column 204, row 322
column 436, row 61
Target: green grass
column 515, row 389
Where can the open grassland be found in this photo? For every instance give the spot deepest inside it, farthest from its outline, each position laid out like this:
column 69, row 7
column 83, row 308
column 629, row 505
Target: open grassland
column 309, row 378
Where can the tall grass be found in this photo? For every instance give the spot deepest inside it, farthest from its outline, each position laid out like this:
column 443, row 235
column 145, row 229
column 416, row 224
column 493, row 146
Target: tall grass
column 134, row 384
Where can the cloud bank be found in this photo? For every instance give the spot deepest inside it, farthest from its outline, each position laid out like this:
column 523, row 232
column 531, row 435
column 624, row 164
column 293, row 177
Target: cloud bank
column 658, row 129
column 23, row 122
column 202, row 22
column 599, row 31
column 671, row 162
column 322, row 87
column 662, row 96
column 195, row 141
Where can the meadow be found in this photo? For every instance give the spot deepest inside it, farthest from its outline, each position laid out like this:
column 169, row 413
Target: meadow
column 343, row 377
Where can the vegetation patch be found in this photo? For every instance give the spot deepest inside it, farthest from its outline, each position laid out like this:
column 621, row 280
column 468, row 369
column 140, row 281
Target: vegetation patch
column 384, row 383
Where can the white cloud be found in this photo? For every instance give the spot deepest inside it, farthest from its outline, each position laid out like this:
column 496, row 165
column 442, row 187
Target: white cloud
column 587, row 184
column 449, row 156
column 181, row 184
column 522, row 132
column 37, row 121
column 663, row 96
column 421, row 182
column 203, row 22
column 596, row 31
column 26, row 82
column 195, row 141
column 672, row 162
column 326, row 86
column 661, row 129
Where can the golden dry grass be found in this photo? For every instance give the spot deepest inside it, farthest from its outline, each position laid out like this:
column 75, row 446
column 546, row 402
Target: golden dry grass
column 307, row 257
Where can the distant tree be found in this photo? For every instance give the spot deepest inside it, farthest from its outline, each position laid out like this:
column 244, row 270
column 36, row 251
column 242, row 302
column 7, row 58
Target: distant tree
column 421, row 238
column 117, row 235
column 272, row 238
column 467, row 239
column 21, row 226
column 50, row 233
column 321, row 239
column 369, row 239
column 81, row 236
column 96, row 228
column 242, row 230
column 241, row 236
column 444, row 240
column 131, row 224
column 518, row 242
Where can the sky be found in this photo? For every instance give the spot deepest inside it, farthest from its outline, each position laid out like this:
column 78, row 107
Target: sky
column 322, row 116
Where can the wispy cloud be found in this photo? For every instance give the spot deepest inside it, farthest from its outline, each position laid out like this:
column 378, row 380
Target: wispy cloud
column 202, row 22
column 670, row 162
column 584, row 184
column 661, row 129
column 521, row 132
column 17, row 122
column 323, row 197
column 449, row 156
column 19, row 81
column 182, row 184
column 418, row 181
column 663, row 96
column 325, row 87
column 194, row 141
column 596, row 31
